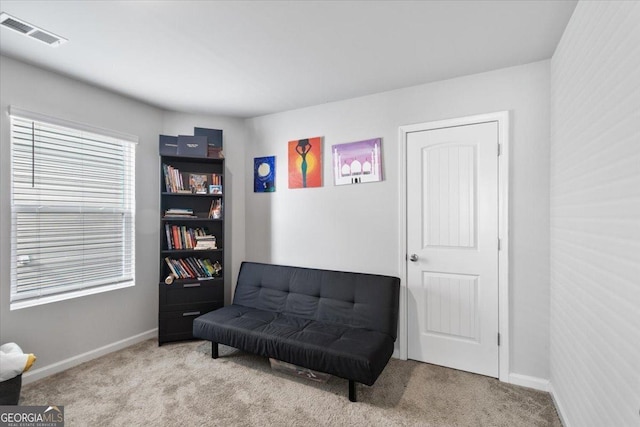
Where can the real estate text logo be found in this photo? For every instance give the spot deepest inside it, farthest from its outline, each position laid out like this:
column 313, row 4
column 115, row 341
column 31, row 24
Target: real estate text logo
column 31, row 416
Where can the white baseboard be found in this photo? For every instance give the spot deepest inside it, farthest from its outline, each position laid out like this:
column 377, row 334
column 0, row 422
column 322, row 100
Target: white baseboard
column 558, row 406
column 65, row 364
column 531, row 382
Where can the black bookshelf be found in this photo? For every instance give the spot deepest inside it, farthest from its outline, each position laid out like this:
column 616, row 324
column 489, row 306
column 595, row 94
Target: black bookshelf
column 196, row 288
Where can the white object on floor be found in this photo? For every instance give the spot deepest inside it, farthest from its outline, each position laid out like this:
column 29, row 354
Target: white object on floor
column 13, row 361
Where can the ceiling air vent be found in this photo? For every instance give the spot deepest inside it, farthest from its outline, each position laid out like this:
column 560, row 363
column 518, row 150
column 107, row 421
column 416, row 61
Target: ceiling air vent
column 29, row 30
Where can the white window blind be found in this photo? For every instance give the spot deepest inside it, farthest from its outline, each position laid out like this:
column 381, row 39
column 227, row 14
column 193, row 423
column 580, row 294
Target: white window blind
column 72, row 210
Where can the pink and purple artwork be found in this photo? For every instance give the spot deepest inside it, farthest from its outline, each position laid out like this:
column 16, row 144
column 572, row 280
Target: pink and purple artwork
column 357, row 162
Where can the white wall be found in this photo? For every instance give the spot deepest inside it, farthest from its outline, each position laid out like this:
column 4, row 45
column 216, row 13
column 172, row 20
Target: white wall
column 356, row 227
column 58, row 331
column 65, row 333
column 595, row 216
column 234, row 143
column 351, row 227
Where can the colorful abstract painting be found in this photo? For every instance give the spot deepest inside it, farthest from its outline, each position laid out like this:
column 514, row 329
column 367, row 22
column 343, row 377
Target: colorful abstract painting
column 305, row 163
column 264, row 174
column 357, row 162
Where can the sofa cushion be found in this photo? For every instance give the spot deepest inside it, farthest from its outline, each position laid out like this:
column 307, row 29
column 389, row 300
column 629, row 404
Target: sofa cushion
column 353, row 353
column 360, row 300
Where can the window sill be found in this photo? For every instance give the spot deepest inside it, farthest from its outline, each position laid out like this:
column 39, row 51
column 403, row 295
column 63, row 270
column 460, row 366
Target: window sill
column 17, row 305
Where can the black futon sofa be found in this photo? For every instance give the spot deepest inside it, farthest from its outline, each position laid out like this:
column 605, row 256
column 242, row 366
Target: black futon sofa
column 335, row 322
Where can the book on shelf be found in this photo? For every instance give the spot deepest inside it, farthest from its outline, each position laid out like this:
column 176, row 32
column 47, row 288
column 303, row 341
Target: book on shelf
column 195, row 269
column 179, row 213
column 172, row 267
column 215, row 152
column 192, row 268
column 172, row 179
column 215, row 185
column 205, row 237
column 177, row 242
column 198, row 183
column 186, row 271
column 215, row 210
column 183, row 237
column 216, row 179
column 206, row 242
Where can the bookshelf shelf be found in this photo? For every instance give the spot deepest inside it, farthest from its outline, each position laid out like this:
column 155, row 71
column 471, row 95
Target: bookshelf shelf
column 187, row 251
column 195, row 286
column 166, row 193
column 192, row 284
column 191, row 220
column 201, row 160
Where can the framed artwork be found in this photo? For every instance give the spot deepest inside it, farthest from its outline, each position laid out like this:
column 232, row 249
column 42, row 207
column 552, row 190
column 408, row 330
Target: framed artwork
column 305, row 163
column 264, row 174
column 357, row 162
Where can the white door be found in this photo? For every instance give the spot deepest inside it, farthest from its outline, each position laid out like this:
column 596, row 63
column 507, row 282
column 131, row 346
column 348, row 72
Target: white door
column 452, row 242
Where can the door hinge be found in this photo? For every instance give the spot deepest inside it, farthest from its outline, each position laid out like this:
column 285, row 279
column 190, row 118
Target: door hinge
column 498, row 243
column 498, row 339
column 499, row 149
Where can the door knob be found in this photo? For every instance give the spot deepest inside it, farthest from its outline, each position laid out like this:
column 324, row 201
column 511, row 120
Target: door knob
column 413, row 257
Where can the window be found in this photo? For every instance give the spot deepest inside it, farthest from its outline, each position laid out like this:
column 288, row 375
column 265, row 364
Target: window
column 72, row 210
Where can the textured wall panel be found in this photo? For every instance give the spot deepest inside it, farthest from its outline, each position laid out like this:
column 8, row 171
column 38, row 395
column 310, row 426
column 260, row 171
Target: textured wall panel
column 595, row 216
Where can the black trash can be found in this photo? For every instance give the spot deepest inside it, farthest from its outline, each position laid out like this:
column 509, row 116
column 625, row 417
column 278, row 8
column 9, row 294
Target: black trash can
column 10, row 391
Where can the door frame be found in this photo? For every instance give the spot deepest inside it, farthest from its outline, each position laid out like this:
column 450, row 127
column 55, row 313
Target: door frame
column 502, row 117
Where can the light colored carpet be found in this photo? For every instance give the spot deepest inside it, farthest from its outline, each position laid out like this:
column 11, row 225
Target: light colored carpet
column 180, row 385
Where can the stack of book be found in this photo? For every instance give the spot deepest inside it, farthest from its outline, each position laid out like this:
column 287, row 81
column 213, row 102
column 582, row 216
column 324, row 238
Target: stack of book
column 182, row 237
column 192, row 268
column 196, row 183
column 179, row 213
column 173, row 180
column 206, row 242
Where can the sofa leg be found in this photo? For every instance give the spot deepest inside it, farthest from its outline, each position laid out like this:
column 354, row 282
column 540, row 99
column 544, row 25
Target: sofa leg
column 214, row 350
column 352, row 390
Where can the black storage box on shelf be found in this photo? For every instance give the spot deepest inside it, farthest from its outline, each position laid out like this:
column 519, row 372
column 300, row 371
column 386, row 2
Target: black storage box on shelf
column 214, row 141
column 214, row 136
column 168, row 145
column 192, row 146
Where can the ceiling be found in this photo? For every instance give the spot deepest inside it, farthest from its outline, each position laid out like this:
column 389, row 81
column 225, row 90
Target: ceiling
column 250, row 58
